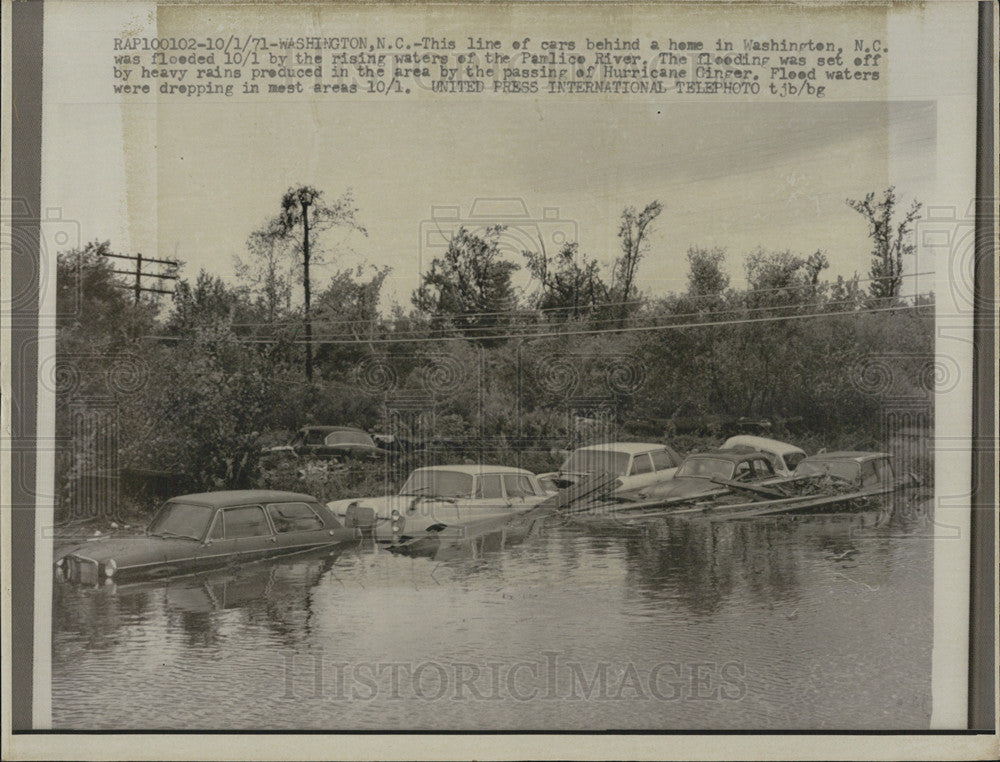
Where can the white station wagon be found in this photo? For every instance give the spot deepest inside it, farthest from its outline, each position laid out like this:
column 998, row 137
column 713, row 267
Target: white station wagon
column 634, row 464
column 437, row 497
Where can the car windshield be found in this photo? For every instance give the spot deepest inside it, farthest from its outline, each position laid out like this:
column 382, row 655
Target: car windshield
column 706, row 468
column 848, row 470
column 349, row 438
column 438, row 484
column 181, row 520
column 597, row 462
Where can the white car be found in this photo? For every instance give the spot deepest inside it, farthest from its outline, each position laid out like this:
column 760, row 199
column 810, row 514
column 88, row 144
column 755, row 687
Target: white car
column 783, row 456
column 635, row 464
column 438, row 497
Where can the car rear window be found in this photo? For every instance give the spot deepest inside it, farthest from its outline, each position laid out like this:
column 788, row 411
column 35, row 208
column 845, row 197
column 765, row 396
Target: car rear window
column 293, row 517
column 246, row 521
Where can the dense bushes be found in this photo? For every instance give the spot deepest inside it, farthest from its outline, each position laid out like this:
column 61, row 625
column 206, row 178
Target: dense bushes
column 219, row 370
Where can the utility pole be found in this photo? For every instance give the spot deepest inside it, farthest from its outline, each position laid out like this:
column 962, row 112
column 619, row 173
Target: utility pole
column 138, row 274
column 305, row 199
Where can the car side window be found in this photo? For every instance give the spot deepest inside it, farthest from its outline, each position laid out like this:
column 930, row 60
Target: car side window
column 518, row 485
column 641, row 464
column 293, row 517
column 743, row 471
column 792, row 459
column 762, row 467
column 488, row 487
column 315, row 438
column 662, row 460
column 246, row 521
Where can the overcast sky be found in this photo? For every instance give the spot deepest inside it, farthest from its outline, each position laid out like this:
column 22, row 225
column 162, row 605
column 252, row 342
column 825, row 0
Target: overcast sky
column 196, row 177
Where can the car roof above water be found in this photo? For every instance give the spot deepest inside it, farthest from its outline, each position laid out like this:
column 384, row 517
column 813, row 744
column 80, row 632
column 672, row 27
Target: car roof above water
column 846, row 455
column 225, row 498
column 732, row 455
column 473, row 470
column 760, row 443
column 630, row 447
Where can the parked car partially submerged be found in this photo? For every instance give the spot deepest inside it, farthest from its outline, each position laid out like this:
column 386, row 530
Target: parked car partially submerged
column 438, row 497
column 634, row 464
column 329, row 442
column 193, row 533
column 856, row 470
column 784, row 457
column 704, row 474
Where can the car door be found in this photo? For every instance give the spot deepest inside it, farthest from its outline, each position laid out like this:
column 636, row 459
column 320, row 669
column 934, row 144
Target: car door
column 296, row 526
column 248, row 530
column 641, row 472
column 664, row 464
column 520, row 492
column 488, row 499
column 218, row 550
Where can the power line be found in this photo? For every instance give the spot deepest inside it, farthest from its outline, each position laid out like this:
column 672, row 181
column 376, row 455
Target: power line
column 530, row 312
column 137, row 288
column 584, row 332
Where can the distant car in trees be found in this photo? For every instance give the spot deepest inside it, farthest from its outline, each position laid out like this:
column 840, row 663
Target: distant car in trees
column 337, row 443
column 784, row 457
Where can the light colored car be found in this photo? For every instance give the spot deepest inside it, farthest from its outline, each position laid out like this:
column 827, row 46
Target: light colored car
column 784, row 457
column 861, row 470
column 438, row 497
column 635, row 464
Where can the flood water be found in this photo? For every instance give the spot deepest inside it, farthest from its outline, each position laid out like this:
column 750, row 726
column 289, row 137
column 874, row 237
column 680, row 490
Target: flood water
column 795, row 622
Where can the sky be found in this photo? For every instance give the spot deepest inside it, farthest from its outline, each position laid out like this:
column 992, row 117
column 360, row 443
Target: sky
column 192, row 179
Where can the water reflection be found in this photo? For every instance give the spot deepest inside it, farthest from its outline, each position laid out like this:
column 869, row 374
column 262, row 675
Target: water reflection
column 798, row 606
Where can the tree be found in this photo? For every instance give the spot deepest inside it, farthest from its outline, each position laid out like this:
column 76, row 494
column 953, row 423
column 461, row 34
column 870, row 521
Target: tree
column 470, row 286
column 266, row 275
column 571, row 285
column 891, row 240
column 705, row 275
column 348, row 307
column 304, row 212
column 632, row 231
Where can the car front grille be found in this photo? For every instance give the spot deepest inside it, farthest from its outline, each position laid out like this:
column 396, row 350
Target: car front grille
column 81, row 570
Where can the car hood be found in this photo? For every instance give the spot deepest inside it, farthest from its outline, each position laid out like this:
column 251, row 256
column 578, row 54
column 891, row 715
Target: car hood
column 137, row 549
column 386, row 504
column 681, row 487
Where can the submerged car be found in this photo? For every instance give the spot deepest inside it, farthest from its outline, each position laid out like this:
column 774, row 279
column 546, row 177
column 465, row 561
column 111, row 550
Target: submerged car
column 784, row 457
column 635, row 464
column 858, row 470
column 193, row 533
column 702, row 475
column 438, row 497
column 333, row 442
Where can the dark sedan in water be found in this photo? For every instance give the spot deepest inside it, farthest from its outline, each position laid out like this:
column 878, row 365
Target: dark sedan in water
column 193, row 533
